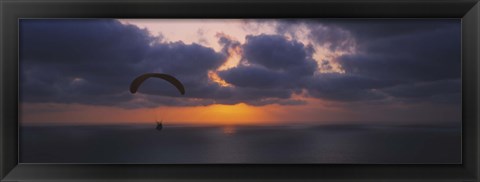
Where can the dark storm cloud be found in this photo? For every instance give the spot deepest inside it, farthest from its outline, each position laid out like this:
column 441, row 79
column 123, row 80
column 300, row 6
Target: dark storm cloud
column 86, row 61
column 427, row 55
column 347, row 87
column 276, row 101
column 424, row 54
column 255, row 77
column 374, row 29
column 425, row 89
column 277, row 53
column 342, row 34
column 272, row 62
column 395, row 52
column 93, row 62
column 272, row 70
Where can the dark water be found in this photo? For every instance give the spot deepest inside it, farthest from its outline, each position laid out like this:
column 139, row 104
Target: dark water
column 352, row 144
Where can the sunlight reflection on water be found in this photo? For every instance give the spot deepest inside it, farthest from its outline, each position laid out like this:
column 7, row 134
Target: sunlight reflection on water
column 229, row 130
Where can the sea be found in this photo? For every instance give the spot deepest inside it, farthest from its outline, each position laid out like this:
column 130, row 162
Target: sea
column 282, row 144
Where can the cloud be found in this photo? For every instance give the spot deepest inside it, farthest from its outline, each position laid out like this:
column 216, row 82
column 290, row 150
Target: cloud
column 347, row 87
column 271, row 62
column 386, row 53
column 227, row 42
column 428, row 53
column 93, row 61
column 254, row 77
column 344, row 34
column 371, row 30
column 433, row 55
column 331, row 36
column 272, row 70
column 83, row 60
column 277, row 53
column 443, row 91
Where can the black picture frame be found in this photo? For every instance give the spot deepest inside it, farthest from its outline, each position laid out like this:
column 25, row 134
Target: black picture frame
column 12, row 10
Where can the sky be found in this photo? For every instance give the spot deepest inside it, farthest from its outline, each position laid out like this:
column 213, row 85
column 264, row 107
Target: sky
column 241, row 71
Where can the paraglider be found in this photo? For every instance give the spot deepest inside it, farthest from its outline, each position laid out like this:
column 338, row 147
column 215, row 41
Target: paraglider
column 159, row 125
column 140, row 79
column 172, row 80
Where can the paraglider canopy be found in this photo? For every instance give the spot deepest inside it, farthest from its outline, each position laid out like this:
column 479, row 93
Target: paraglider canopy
column 140, row 79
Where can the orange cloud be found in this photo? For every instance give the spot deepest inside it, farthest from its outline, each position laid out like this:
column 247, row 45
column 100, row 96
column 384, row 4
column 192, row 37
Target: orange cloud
column 213, row 76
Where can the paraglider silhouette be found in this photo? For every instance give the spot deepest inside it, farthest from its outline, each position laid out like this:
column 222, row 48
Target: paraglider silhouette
column 140, row 79
column 172, row 80
column 159, row 125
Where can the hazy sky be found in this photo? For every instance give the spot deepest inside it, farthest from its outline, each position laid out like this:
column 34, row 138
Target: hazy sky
column 316, row 71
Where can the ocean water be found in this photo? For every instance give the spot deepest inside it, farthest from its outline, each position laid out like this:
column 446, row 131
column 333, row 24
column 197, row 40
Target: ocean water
column 337, row 144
